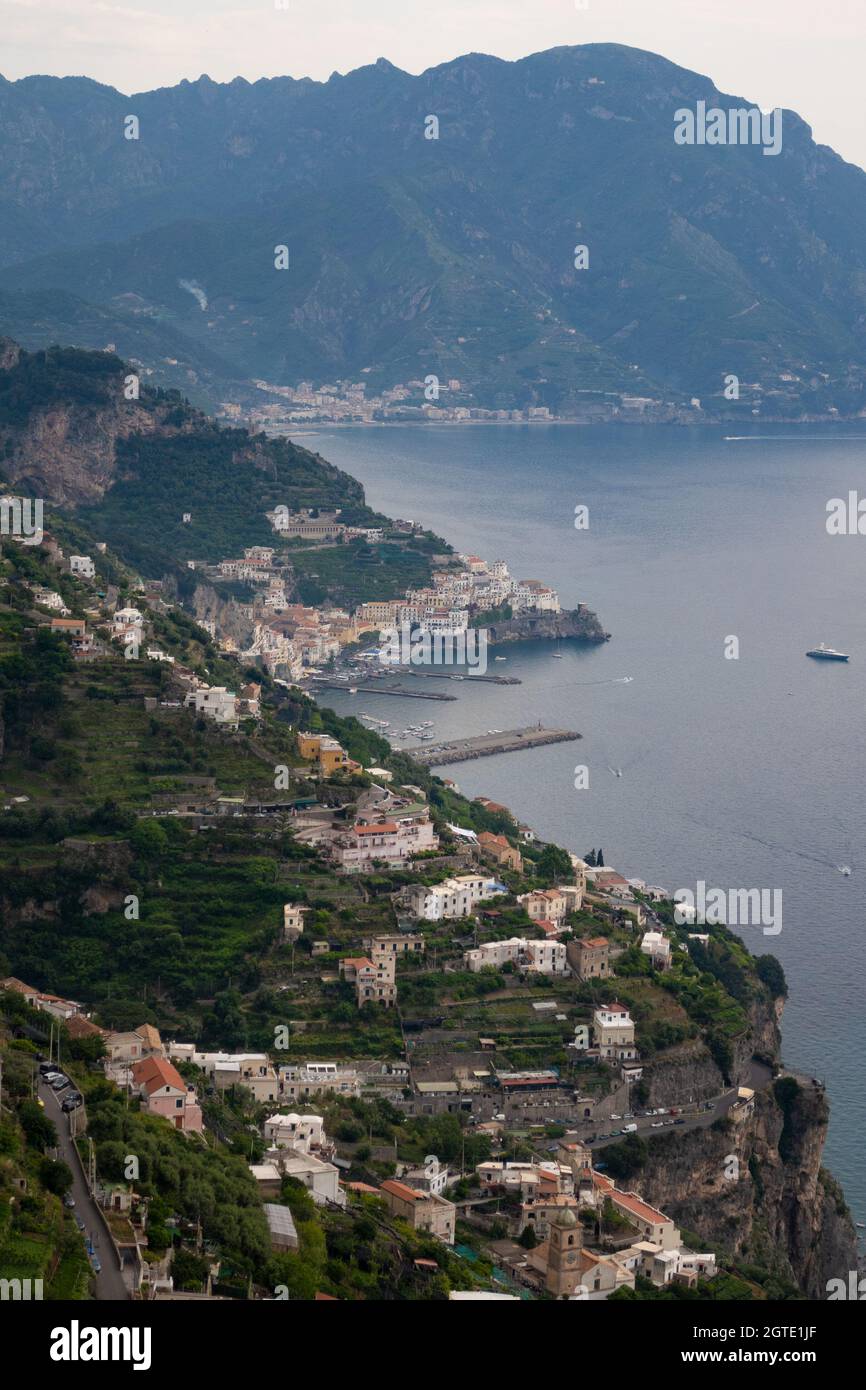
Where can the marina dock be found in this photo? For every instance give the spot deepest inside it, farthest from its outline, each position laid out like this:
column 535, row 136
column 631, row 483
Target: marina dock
column 380, row 689
column 486, row 745
column 450, row 676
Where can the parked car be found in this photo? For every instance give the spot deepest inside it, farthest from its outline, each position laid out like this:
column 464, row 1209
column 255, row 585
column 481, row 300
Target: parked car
column 679, row 1122
column 79, row 1223
column 97, row 1267
column 70, row 1103
column 69, row 1200
column 46, row 1067
column 591, row 1138
column 59, row 1083
column 656, row 1124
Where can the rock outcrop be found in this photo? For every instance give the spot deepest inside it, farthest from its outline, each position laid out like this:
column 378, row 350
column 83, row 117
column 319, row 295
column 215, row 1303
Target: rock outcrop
column 755, row 1186
column 579, row 624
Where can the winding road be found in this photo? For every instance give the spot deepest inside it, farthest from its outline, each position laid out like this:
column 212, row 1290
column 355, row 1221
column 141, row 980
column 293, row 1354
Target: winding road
column 109, row 1282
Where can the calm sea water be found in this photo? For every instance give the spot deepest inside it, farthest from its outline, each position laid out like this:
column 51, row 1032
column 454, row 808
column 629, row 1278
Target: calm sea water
column 744, row 773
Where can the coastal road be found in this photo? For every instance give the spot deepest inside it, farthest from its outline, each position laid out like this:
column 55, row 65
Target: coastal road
column 691, row 1119
column 693, row 1115
column 109, row 1282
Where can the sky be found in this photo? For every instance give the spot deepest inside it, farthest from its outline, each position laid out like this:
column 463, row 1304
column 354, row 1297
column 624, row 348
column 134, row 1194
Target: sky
column 806, row 55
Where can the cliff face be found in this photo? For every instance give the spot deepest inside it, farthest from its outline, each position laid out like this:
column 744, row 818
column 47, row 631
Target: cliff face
column 579, row 623
column 690, row 1072
column 68, row 454
column 62, row 414
column 755, row 1186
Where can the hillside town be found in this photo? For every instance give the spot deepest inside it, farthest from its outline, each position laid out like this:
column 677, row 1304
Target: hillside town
column 292, row 639
column 429, row 401
column 504, row 1020
column 570, row 1231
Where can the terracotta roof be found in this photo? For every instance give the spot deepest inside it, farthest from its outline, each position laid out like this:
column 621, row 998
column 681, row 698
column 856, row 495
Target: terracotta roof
column 155, row 1072
column 17, row 985
column 80, row 1027
column 387, row 827
column 593, row 941
column 399, row 1189
column 639, row 1208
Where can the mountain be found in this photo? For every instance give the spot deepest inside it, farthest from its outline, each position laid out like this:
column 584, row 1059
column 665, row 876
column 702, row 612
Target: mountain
column 133, row 468
column 157, row 351
column 452, row 256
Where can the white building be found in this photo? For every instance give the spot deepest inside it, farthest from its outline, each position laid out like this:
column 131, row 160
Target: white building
column 322, row 1179
column 49, row 598
column 431, row 1178
column 83, row 566
column 217, row 703
column 614, row 1032
column 250, row 1069
column 293, row 921
column 456, row 897
column 293, row 1131
column 300, row 1082
column 390, row 840
column 656, row 945
column 535, row 957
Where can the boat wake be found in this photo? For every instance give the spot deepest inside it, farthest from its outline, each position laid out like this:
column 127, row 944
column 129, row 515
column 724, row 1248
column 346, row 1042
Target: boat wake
column 791, row 850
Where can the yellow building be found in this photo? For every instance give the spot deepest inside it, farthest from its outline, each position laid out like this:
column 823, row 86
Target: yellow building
column 327, row 752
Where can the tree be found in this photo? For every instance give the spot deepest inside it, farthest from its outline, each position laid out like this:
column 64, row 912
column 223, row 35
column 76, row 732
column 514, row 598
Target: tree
column 189, row 1271
column 770, row 972
column 38, row 1129
column 55, row 1175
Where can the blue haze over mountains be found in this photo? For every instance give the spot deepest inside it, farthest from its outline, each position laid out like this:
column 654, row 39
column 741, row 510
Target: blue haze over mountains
column 454, row 256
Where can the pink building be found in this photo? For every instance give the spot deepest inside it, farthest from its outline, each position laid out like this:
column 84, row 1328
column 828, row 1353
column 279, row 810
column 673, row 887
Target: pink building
column 166, row 1093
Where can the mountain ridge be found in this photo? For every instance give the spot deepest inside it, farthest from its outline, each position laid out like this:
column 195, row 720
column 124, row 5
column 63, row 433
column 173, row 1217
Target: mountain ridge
column 452, row 256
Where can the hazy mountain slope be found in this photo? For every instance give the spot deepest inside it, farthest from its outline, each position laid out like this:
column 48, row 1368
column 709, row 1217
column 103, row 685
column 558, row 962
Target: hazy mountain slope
column 454, row 255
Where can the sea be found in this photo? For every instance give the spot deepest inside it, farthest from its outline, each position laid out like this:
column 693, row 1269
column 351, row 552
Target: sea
column 715, row 750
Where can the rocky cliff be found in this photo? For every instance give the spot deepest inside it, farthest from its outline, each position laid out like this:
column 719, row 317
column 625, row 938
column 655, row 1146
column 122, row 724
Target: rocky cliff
column 753, row 1184
column 62, row 414
column 691, row 1071
column 579, row 623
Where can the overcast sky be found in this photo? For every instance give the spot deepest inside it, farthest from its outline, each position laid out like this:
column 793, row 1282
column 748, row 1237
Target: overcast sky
column 804, row 54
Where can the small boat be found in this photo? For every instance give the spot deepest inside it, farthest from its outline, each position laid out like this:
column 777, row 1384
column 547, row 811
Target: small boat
column 500, row 658
column 353, row 689
column 558, row 655
column 823, row 653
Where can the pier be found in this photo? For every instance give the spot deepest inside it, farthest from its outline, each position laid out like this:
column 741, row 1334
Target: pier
column 379, row 689
column 461, row 750
column 450, row 676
